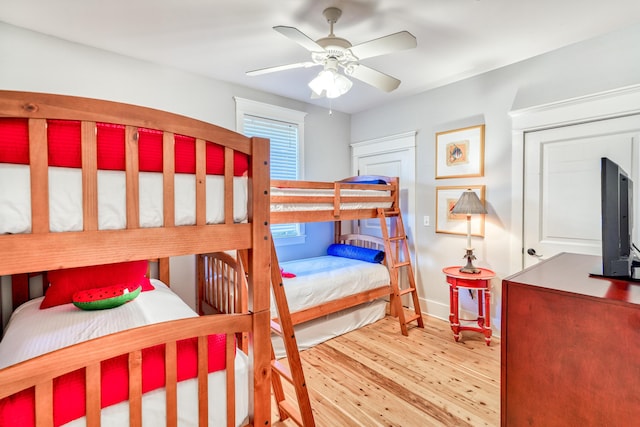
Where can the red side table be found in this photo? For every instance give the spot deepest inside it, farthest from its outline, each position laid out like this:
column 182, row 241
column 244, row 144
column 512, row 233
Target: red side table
column 480, row 282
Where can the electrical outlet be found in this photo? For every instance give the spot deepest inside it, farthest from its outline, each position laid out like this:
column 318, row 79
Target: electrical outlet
column 426, row 221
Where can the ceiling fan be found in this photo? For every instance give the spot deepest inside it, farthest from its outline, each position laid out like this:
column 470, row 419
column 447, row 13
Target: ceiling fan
column 334, row 53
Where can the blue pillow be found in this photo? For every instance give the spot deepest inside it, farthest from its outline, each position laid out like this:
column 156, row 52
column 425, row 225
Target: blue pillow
column 371, row 181
column 365, row 179
column 356, row 252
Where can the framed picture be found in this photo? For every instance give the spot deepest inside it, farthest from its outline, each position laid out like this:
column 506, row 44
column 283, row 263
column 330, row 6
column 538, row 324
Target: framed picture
column 460, row 153
column 446, row 222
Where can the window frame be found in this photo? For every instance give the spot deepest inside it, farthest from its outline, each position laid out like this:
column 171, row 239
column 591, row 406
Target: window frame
column 247, row 107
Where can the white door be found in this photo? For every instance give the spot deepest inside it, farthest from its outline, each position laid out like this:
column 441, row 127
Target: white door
column 386, row 164
column 562, row 211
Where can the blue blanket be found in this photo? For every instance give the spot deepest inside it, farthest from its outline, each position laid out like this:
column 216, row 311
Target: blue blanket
column 356, row 252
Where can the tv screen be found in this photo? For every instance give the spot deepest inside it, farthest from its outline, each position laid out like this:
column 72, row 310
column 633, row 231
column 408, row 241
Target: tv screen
column 617, row 220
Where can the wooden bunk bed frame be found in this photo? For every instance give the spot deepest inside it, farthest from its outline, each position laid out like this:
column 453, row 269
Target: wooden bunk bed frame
column 216, row 271
column 333, row 196
column 42, row 250
column 214, row 281
column 335, row 210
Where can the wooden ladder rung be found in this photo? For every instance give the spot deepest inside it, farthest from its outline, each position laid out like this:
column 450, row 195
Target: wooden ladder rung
column 412, row 318
column 290, row 410
column 394, row 212
column 406, row 291
column 397, row 238
column 401, row 264
column 282, row 370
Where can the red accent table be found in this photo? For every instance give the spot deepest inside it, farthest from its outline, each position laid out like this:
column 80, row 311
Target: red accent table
column 480, row 282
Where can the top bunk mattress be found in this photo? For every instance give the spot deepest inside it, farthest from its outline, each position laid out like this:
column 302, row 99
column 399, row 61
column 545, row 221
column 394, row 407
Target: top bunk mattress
column 328, row 204
column 65, row 199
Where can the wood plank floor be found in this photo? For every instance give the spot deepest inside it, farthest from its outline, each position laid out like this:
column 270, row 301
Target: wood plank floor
column 374, row 376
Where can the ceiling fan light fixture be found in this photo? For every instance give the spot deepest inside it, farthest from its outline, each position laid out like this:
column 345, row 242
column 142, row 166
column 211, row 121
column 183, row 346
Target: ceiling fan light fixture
column 330, row 83
column 336, row 52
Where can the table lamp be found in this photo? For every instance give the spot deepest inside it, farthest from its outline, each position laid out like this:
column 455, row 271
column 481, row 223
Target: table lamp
column 469, row 204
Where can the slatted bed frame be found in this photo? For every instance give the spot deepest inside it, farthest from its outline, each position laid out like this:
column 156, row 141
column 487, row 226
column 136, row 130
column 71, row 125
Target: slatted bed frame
column 42, row 250
column 215, row 272
column 336, row 209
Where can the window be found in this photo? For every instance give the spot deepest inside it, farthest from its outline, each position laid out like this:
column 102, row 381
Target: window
column 285, row 129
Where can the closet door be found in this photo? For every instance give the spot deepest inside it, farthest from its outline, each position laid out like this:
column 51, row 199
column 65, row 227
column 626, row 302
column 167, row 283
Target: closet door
column 562, row 210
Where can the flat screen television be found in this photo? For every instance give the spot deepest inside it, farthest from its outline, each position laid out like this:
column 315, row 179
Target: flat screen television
column 617, row 220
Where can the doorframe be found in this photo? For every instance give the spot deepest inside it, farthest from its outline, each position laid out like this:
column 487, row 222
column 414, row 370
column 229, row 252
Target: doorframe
column 605, row 105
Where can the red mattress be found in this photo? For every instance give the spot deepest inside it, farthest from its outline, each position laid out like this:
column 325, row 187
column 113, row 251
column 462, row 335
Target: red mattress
column 64, row 148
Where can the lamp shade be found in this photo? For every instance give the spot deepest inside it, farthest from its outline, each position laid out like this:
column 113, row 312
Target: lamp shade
column 330, row 83
column 469, row 204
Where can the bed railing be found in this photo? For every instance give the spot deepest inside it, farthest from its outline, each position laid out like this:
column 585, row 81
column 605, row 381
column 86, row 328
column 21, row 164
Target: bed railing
column 222, row 288
column 93, row 246
column 42, row 371
column 310, row 201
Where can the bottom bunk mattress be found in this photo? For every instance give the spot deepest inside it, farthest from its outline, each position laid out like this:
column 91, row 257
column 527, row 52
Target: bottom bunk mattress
column 319, row 280
column 32, row 331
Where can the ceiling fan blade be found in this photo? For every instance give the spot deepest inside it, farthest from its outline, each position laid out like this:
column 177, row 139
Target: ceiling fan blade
column 373, row 77
column 299, row 37
column 281, row 68
column 383, row 45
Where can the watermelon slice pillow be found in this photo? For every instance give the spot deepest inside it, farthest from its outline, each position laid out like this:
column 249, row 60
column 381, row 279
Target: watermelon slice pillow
column 106, row 297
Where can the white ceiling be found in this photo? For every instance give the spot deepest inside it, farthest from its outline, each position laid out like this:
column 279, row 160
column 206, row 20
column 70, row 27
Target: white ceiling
column 224, row 39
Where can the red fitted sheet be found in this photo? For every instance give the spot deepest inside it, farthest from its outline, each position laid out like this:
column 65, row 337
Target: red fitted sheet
column 64, row 148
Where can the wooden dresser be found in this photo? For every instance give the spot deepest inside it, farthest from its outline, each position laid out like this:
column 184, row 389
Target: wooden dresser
column 570, row 346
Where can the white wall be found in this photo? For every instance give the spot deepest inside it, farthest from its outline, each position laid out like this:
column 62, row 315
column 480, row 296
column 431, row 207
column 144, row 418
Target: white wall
column 39, row 63
column 601, row 64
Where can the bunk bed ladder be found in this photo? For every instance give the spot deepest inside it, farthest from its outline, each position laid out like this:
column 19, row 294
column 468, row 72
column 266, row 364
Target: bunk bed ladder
column 302, row 414
column 397, row 257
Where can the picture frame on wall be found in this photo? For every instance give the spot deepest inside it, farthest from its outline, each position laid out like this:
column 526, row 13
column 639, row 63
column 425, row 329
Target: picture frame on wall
column 446, row 222
column 460, row 153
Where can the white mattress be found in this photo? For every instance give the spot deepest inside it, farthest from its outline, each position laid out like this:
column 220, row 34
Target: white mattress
column 31, row 332
column 65, row 199
column 291, row 207
column 327, row 278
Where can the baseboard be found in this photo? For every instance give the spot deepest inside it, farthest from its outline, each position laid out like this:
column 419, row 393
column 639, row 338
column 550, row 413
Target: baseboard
column 435, row 309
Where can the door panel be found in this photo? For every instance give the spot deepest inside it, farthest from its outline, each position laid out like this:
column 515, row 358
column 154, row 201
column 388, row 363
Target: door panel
column 386, row 164
column 562, row 184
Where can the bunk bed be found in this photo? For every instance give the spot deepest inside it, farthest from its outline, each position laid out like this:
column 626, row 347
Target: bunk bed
column 349, row 287
column 342, row 291
column 89, row 186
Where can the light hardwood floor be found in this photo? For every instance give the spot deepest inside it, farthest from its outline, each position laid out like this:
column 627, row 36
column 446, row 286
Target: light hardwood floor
column 374, row 376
